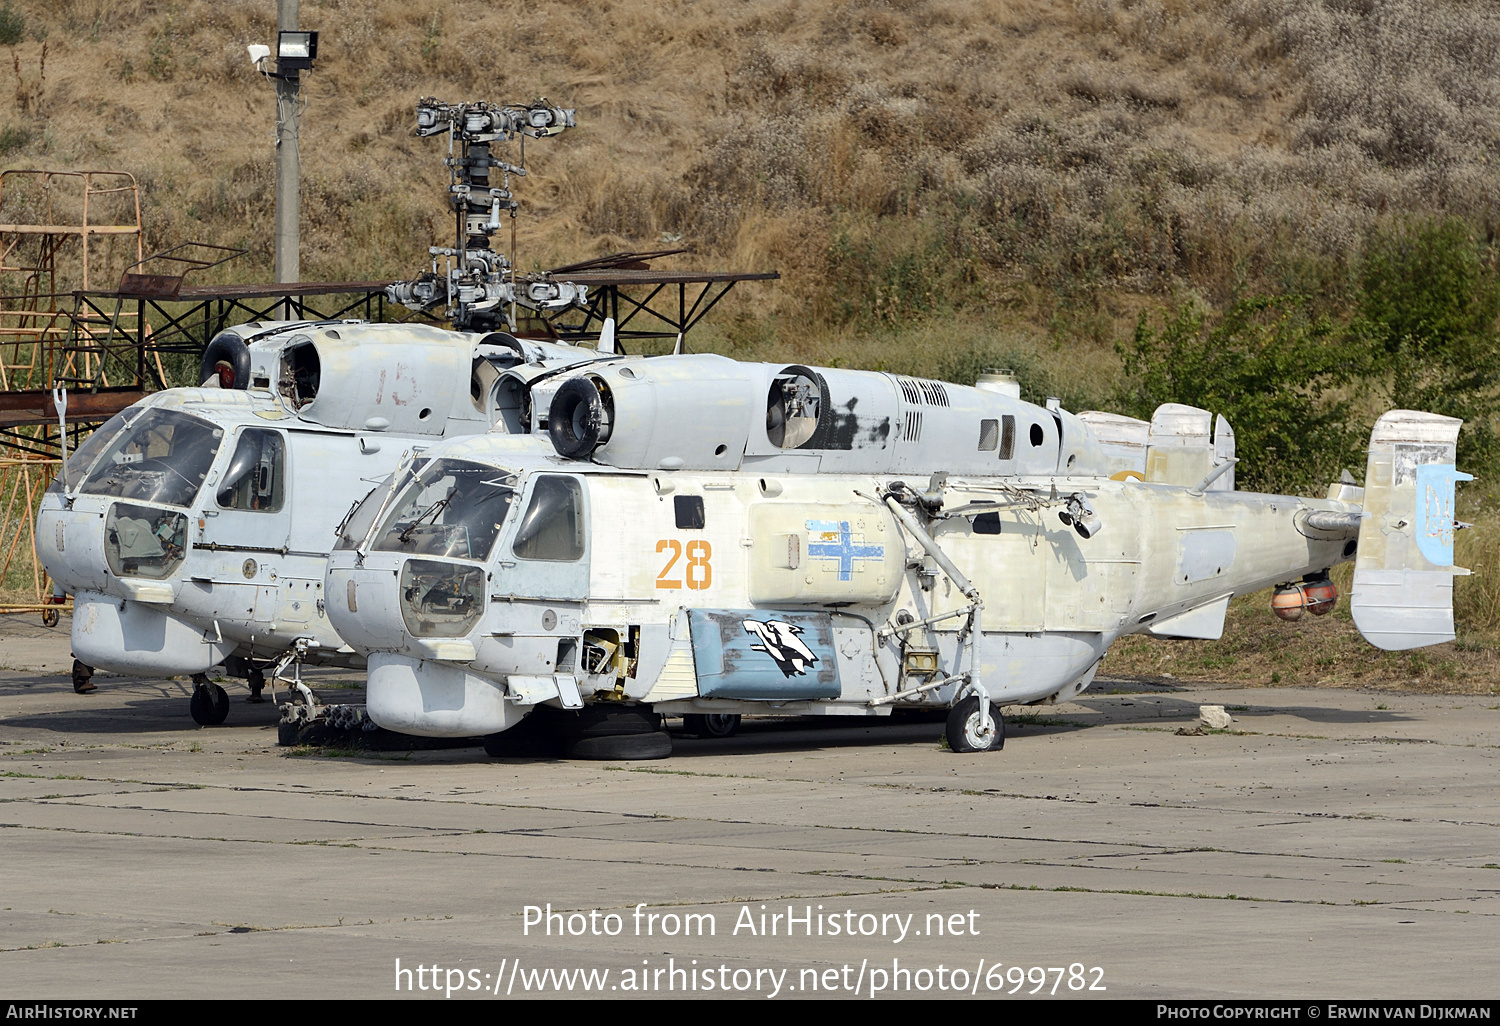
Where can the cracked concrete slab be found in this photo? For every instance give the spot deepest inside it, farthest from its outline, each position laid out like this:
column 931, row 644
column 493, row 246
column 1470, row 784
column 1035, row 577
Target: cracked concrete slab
column 148, row 857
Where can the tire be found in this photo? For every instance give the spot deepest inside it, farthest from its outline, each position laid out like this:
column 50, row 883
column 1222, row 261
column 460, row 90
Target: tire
column 534, row 736
column 230, row 348
column 656, row 745
column 50, row 617
column 711, row 724
column 286, row 733
column 209, row 705
column 607, row 720
column 963, row 728
column 577, row 420
column 83, row 675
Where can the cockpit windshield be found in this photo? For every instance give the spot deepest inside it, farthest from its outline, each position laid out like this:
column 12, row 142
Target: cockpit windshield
column 453, row 509
column 162, row 457
column 82, row 458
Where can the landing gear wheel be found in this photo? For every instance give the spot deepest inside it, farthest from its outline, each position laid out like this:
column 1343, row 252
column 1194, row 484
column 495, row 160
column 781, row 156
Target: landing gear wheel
column 257, row 680
column 711, row 724
column 49, row 618
column 608, row 720
column 656, row 745
column 534, row 736
column 209, row 705
column 963, row 728
column 82, row 677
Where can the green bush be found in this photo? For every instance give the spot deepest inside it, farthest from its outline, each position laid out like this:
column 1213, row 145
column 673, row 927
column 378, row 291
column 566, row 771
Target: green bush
column 1430, row 297
column 12, row 24
column 1279, row 376
column 12, row 139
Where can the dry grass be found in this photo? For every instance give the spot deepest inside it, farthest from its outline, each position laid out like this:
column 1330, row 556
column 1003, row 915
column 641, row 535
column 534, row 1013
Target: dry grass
column 1075, row 154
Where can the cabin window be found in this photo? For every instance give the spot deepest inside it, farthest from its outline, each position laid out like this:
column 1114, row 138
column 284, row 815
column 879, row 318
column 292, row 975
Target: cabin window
column 1038, row 436
column 987, row 523
column 254, row 479
column 989, row 435
column 689, row 509
column 440, row 600
column 1008, row 437
column 552, row 528
column 144, row 541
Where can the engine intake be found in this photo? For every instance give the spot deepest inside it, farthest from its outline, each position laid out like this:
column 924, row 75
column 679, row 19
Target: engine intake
column 580, row 417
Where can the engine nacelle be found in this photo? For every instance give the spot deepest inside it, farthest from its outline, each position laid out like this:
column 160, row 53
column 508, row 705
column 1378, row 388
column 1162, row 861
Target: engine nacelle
column 706, row 412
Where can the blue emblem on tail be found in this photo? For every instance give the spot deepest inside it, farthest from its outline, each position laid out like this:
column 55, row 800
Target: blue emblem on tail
column 1434, row 513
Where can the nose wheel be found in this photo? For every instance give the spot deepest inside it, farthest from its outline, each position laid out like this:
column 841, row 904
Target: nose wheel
column 83, row 675
column 966, row 728
column 210, row 703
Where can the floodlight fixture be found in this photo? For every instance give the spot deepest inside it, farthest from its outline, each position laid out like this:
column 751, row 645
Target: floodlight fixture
column 296, row 51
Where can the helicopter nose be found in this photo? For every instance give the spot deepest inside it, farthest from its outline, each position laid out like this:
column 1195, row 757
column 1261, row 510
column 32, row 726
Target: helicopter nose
column 70, row 544
column 424, row 607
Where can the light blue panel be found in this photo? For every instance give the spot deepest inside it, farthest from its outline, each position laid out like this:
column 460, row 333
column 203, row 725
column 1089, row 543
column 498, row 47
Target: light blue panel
column 1434, row 513
column 764, row 654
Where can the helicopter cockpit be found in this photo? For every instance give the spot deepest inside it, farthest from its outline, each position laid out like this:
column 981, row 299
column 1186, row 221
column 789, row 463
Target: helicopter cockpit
column 156, row 462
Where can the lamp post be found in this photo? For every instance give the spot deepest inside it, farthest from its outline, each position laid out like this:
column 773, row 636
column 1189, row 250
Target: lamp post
column 295, row 51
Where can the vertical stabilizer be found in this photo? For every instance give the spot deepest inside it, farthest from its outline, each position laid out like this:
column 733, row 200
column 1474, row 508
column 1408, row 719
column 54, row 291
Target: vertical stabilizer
column 1403, row 573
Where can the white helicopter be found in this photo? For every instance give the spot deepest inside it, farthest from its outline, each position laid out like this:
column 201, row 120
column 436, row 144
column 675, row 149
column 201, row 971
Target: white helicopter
column 708, row 538
column 193, row 528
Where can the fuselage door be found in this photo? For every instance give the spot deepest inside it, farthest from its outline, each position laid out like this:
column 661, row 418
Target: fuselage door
column 248, row 506
column 548, row 555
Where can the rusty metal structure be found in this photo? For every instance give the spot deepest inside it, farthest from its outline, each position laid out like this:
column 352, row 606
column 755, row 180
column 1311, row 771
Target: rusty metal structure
column 54, row 225
column 66, row 341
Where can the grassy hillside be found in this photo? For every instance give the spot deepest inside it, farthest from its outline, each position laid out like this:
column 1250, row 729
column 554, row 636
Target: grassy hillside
column 944, row 184
column 1058, row 160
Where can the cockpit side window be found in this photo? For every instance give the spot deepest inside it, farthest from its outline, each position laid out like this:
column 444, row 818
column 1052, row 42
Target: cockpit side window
column 256, row 474
column 553, row 526
column 162, row 457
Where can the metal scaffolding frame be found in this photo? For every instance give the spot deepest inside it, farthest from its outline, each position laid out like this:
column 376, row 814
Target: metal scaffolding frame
column 35, row 335
column 607, row 291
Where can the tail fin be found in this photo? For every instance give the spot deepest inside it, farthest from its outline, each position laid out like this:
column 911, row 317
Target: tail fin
column 1403, row 574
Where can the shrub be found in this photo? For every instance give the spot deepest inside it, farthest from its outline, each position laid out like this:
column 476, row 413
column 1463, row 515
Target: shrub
column 1430, row 297
column 1278, row 375
column 12, row 24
